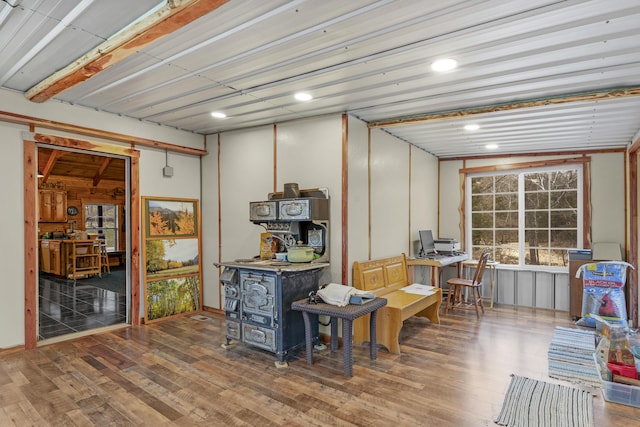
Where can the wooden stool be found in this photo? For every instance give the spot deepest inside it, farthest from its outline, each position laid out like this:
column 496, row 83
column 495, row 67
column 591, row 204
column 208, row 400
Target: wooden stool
column 104, row 256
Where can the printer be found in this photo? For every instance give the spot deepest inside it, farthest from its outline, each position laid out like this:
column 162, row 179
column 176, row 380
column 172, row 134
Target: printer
column 445, row 244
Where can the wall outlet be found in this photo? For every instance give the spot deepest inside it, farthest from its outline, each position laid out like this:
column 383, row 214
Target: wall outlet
column 167, row 171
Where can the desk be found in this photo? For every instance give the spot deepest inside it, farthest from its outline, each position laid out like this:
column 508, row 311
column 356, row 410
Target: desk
column 436, row 265
column 491, row 265
column 347, row 313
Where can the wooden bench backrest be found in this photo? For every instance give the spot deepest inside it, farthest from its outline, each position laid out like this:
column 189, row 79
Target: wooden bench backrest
column 381, row 276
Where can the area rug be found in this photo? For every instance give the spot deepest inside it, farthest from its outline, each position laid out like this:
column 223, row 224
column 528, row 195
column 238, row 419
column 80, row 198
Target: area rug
column 533, row 403
column 570, row 356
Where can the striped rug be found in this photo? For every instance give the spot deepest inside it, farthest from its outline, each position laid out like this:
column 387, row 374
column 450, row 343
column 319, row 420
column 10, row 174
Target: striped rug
column 533, row 403
column 570, row 356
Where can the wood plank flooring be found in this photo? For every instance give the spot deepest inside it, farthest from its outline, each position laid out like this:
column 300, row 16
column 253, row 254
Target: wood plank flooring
column 176, row 373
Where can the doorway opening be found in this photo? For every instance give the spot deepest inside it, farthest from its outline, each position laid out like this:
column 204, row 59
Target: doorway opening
column 84, row 274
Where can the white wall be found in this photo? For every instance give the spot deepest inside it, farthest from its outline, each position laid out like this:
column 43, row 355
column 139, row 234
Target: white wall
column 358, row 179
column 185, row 183
column 389, row 195
column 424, row 194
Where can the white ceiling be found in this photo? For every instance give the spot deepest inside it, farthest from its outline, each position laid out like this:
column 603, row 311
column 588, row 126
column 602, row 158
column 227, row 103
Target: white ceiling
column 536, row 75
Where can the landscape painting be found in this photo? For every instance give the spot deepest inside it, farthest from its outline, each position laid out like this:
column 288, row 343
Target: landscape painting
column 171, row 217
column 172, row 296
column 171, row 257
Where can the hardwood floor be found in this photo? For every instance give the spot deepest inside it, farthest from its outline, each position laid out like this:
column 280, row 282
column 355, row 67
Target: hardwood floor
column 176, row 373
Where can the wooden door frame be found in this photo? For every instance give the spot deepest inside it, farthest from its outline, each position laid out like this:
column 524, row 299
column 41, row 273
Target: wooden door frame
column 30, row 151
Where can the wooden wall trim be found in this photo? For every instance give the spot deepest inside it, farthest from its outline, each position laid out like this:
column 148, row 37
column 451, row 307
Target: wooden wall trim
column 525, row 165
column 30, row 224
column 219, row 220
column 135, row 238
column 410, row 171
column 607, row 93
column 344, row 209
column 632, row 257
column 30, row 246
column 369, row 193
column 536, row 154
column 34, row 122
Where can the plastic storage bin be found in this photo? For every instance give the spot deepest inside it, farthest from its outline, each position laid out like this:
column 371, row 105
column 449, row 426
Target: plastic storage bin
column 619, row 393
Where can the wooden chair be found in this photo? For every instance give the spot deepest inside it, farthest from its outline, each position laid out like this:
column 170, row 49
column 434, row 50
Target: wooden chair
column 455, row 298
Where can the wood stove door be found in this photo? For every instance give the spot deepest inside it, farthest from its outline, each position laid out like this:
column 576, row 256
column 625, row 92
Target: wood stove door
column 258, row 298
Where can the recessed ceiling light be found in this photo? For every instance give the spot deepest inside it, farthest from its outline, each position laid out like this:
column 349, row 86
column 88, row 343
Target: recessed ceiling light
column 471, row 127
column 303, row 96
column 445, row 64
column 218, row 115
column 491, row 146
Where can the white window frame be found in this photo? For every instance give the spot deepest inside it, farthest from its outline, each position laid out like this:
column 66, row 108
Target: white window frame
column 521, row 209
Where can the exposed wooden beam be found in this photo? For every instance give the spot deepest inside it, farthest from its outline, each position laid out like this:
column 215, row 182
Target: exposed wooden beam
column 562, row 99
column 51, row 161
column 34, row 122
column 103, row 167
column 171, row 17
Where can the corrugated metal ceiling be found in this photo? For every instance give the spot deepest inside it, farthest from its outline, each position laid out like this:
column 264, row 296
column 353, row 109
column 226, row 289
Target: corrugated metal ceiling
column 368, row 58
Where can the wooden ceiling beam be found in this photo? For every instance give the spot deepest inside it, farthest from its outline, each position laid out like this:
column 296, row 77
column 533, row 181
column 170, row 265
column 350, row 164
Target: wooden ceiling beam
column 51, row 161
column 103, row 167
column 171, row 17
column 562, row 99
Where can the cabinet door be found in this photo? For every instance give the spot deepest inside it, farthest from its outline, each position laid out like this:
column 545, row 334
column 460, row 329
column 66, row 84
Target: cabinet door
column 46, row 206
column 59, row 206
column 55, row 258
column 45, row 257
column 52, row 206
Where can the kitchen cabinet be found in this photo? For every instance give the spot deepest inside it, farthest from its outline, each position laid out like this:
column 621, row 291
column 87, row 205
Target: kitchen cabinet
column 51, row 257
column 52, row 206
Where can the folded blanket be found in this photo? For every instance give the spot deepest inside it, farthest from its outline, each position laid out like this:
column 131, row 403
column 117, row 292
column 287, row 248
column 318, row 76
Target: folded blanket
column 337, row 294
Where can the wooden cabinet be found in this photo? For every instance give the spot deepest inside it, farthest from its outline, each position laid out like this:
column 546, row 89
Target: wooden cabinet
column 52, row 206
column 51, row 257
column 84, row 259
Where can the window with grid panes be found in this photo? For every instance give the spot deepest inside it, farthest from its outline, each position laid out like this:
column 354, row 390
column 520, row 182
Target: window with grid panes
column 527, row 217
column 102, row 219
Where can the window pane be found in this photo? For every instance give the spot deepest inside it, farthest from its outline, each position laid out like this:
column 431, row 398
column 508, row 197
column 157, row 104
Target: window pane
column 564, row 238
column 482, row 237
column 563, row 180
column 482, row 184
column 559, row 258
column 564, row 219
column 506, row 256
column 482, row 203
column 536, row 256
column 477, row 251
column 536, row 181
column 536, row 219
column 506, row 219
column 537, row 237
column 482, row 220
column 507, row 238
column 536, row 200
column 507, row 183
column 564, row 199
column 506, row 202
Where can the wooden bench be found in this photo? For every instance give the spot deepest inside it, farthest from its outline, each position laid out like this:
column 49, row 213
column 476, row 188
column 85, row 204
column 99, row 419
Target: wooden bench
column 384, row 278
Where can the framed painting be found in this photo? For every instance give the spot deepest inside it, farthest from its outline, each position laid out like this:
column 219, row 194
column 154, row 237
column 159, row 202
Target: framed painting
column 170, row 217
column 171, row 257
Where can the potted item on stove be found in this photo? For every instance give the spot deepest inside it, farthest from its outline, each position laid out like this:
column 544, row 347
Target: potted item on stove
column 300, row 253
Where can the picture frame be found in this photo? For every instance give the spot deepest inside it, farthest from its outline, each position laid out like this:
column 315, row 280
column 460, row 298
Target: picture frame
column 170, row 217
column 171, row 256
